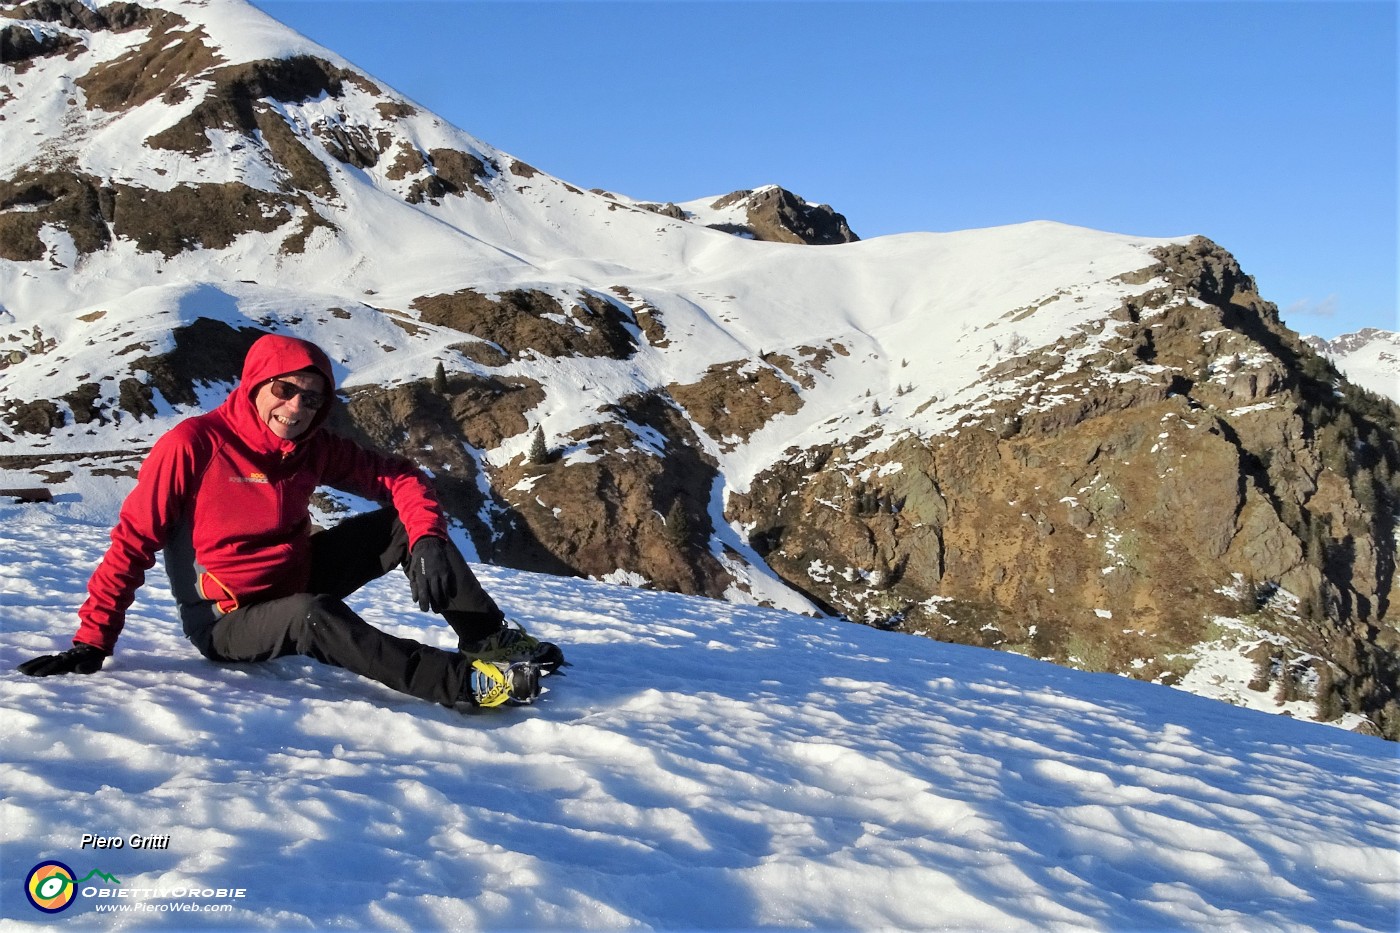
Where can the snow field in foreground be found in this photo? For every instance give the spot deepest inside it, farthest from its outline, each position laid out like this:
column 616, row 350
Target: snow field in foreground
column 701, row 766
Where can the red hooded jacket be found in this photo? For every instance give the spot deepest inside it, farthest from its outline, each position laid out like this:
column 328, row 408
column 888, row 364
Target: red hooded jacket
column 228, row 501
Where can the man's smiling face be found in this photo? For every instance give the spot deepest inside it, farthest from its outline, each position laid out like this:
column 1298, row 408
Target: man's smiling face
column 290, row 417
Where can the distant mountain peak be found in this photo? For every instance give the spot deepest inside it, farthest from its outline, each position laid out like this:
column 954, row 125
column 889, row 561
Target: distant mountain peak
column 776, row 214
column 1370, row 358
column 770, row 213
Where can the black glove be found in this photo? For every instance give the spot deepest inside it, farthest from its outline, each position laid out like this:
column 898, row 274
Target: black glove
column 430, row 575
column 79, row 659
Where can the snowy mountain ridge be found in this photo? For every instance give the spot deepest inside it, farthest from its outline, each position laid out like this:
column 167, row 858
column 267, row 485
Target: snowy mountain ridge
column 1370, row 357
column 970, row 435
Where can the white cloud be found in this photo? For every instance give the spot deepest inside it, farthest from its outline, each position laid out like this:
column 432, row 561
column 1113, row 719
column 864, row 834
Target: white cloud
column 1326, row 308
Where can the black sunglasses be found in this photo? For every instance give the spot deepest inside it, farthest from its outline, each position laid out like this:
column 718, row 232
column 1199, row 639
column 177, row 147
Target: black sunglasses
column 286, row 391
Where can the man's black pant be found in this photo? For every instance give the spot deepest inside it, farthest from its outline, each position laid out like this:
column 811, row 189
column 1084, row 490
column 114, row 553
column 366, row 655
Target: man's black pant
column 319, row 625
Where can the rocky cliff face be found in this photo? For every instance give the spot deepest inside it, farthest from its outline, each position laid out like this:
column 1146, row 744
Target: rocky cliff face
column 1109, row 453
column 1200, row 464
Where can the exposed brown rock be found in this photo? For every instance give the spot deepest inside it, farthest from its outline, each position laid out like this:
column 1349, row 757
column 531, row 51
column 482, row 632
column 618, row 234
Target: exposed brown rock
column 74, row 14
column 736, row 399
column 524, row 320
column 135, row 398
column 69, row 200
column 354, row 145
column 19, row 46
column 480, row 411
column 812, row 359
column 441, row 432
column 37, row 417
column 82, row 401
column 395, row 109
column 454, row 173
column 190, row 217
column 235, row 103
column 668, row 209
column 778, row 215
column 206, row 351
column 648, row 317
column 605, row 504
column 409, row 161
column 208, row 216
column 171, row 54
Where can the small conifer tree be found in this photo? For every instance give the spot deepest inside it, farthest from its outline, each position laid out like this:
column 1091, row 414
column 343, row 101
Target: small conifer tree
column 1263, row 670
column 678, row 524
column 1287, row 691
column 539, row 450
column 1329, row 704
column 440, row 379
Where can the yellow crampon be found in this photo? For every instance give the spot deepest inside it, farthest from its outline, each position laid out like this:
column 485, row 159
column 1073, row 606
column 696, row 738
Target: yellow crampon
column 489, row 685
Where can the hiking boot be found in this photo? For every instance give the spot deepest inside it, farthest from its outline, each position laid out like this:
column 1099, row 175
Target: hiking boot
column 511, row 643
column 492, row 684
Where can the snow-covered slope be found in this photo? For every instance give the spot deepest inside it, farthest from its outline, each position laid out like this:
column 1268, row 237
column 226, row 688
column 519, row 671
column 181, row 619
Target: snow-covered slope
column 1370, row 358
column 703, row 766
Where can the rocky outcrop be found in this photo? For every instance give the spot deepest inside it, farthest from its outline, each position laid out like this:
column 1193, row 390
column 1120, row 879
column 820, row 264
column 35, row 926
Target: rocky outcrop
column 94, row 212
column 451, row 172
column 74, row 14
column 240, row 100
column 525, row 320
column 1108, row 527
column 735, row 399
column 778, row 215
column 80, row 204
column 171, row 54
column 206, row 352
column 446, row 433
column 770, row 213
column 608, row 498
column 629, row 494
column 19, row 46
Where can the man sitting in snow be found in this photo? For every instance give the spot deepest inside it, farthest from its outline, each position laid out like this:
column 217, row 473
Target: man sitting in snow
column 226, row 495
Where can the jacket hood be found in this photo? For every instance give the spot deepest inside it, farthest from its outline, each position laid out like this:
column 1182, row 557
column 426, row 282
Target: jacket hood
column 269, row 356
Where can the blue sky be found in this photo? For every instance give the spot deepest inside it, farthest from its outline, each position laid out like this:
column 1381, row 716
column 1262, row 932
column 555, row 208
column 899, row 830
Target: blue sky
column 1270, row 127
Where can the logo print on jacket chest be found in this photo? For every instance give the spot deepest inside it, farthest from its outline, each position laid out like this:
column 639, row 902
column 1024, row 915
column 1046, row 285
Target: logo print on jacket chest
column 259, row 478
